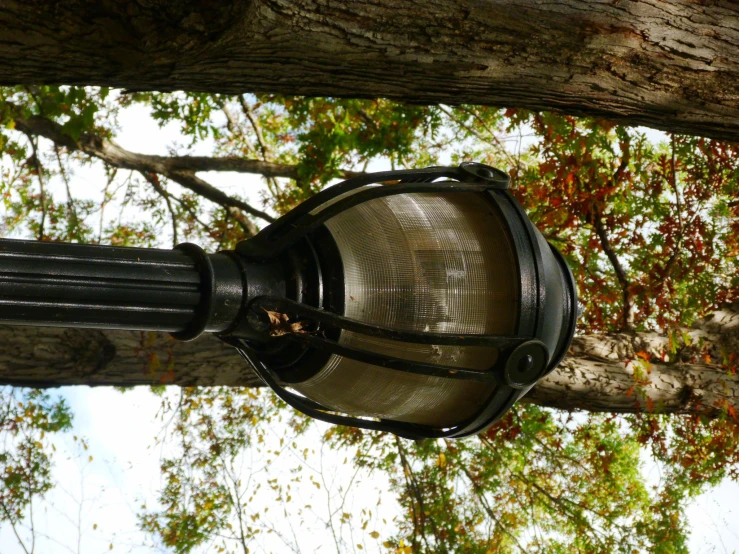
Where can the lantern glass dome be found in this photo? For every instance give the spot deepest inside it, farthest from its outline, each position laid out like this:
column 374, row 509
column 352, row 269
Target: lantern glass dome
column 425, row 301
column 426, row 262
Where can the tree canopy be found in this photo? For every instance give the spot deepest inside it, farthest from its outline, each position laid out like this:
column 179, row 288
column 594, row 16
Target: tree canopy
column 651, row 231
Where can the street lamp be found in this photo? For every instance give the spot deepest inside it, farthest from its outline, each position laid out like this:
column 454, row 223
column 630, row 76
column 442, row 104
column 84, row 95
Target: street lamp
column 420, row 302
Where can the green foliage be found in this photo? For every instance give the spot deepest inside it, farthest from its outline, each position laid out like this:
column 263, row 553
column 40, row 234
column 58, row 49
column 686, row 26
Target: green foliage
column 666, row 211
column 539, row 480
column 25, row 460
column 330, row 132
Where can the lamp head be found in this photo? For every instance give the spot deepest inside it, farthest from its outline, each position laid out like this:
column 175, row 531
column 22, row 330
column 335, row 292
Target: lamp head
column 420, row 302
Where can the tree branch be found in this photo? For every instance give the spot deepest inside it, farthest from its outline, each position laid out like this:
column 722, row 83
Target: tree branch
column 180, row 169
column 617, row 267
column 103, row 148
column 153, row 180
column 234, row 206
column 40, row 175
column 672, row 261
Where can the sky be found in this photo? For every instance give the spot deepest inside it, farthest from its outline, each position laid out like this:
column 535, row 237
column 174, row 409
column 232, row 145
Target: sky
column 103, row 482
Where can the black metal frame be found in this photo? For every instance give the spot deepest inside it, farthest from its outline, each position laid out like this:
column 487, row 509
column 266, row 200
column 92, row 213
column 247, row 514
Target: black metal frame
column 504, row 344
column 296, row 224
column 514, row 352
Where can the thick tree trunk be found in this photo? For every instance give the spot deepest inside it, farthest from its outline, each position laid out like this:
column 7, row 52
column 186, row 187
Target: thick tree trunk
column 601, row 374
column 670, row 65
column 54, row 357
column 636, row 372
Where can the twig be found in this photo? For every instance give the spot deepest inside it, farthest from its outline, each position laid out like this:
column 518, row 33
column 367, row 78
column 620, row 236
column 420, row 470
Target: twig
column 490, row 132
column 251, row 116
column 418, row 519
column 263, row 146
column 233, row 125
column 617, row 267
column 8, row 515
column 367, row 118
column 70, row 201
column 110, row 173
column 488, row 509
column 153, row 180
column 40, row 174
column 681, row 231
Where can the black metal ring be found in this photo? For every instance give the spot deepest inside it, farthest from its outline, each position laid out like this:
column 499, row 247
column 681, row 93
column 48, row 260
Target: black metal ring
column 208, row 285
column 526, row 364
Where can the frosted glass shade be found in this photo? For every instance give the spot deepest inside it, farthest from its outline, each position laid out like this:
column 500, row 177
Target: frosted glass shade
column 433, row 262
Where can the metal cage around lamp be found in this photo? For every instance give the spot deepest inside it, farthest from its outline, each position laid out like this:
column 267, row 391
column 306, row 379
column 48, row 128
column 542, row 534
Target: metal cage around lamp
column 429, row 303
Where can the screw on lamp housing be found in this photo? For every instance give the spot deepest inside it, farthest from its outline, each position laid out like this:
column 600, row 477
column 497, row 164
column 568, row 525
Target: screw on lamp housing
column 419, row 302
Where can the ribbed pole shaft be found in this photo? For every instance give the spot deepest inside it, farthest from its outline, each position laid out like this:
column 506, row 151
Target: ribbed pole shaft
column 105, row 287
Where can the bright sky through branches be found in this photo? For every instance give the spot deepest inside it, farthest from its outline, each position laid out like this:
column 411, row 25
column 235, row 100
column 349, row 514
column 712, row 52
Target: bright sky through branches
column 96, row 501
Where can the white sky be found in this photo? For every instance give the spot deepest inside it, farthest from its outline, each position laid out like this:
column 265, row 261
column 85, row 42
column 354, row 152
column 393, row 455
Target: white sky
column 124, row 471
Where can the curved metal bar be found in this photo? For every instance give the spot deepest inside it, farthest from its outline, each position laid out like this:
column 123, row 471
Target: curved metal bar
column 400, row 364
column 287, row 230
column 499, row 403
column 317, row 411
column 315, row 201
column 275, row 303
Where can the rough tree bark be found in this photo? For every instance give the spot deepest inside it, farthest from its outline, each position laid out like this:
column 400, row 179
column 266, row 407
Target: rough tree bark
column 53, row 357
column 601, row 374
column 670, row 65
column 618, row 372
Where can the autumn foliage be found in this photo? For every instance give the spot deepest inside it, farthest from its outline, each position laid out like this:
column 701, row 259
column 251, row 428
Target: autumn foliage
column 651, row 230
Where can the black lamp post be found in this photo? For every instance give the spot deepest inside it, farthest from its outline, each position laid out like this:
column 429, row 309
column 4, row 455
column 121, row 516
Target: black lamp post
column 420, row 302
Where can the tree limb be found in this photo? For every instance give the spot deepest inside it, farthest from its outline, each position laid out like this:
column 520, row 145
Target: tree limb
column 153, row 179
column 180, row 169
column 623, row 280
column 100, row 147
column 595, row 376
column 608, row 373
column 669, row 65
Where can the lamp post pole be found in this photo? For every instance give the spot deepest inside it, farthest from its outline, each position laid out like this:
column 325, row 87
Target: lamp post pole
column 106, row 287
